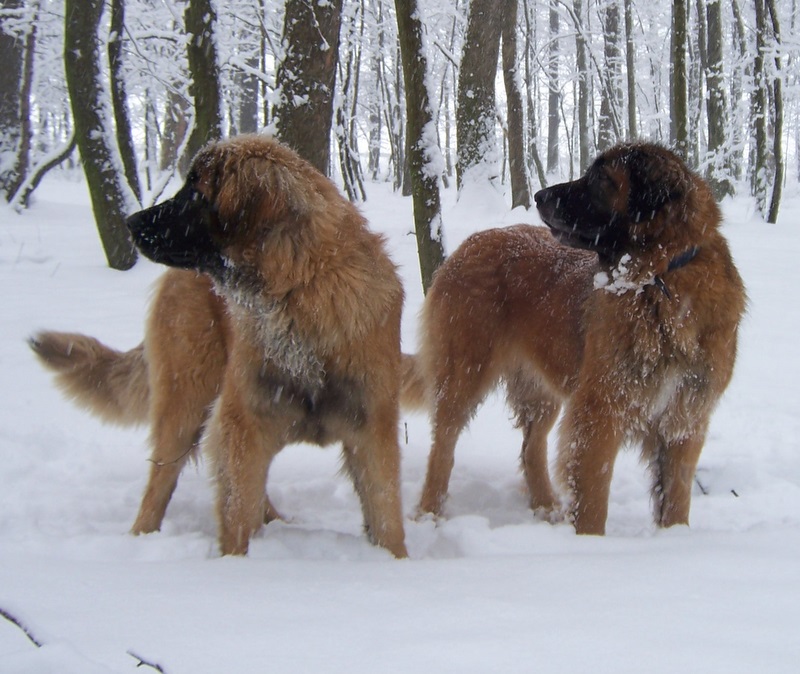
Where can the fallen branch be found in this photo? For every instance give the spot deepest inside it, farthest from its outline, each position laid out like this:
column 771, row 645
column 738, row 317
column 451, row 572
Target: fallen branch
column 14, row 621
column 144, row 663
column 703, row 489
column 19, row 200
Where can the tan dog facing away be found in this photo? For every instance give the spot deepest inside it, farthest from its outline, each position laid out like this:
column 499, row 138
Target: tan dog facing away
column 281, row 324
column 635, row 335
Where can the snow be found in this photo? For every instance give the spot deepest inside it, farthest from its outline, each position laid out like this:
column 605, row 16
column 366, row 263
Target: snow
column 489, row 588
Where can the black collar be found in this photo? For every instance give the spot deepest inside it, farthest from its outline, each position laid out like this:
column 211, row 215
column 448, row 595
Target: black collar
column 676, row 263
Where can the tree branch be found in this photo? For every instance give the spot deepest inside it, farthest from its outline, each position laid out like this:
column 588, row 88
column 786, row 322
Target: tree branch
column 144, row 663
column 14, row 621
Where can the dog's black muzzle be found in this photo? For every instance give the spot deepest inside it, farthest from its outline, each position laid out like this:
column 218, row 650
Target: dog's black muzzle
column 177, row 232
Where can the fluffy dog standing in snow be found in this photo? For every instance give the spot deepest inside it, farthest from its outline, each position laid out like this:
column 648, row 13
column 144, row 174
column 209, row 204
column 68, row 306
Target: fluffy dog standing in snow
column 632, row 325
column 282, row 317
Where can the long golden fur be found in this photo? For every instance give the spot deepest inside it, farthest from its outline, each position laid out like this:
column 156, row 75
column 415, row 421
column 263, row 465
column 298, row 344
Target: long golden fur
column 281, row 324
column 635, row 334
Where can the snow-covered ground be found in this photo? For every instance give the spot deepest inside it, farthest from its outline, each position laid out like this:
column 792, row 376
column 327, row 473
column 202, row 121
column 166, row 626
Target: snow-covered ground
column 488, row 589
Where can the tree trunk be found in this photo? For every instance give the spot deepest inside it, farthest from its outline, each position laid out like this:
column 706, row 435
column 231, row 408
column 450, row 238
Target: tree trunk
column 777, row 97
column 738, row 127
column 630, row 66
column 582, row 64
column 16, row 52
column 553, row 95
column 247, row 119
column 201, row 20
column 119, row 98
column 608, row 126
column 520, row 190
column 678, row 82
column 19, row 199
column 176, row 127
column 716, row 105
column 111, row 198
column 475, row 119
column 345, row 129
column 760, row 169
column 306, row 78
column 424, row 158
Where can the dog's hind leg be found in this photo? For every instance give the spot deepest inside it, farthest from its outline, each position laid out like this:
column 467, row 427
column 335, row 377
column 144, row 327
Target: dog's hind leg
column 536, row 412
column 457, row 395
column 673, row 465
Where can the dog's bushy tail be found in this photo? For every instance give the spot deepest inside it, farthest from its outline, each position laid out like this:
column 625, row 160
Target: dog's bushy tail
column 111, row 384
column 414, row 394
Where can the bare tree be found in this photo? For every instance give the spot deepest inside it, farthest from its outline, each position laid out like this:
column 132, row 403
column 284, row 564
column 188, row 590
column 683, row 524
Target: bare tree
column 520, row 190
column 423, row 154
column 553, row 94
column 119, row 98
column 306, row 78
column 759, row 165
column 777, row 98
column 111, row 198
column 716, row 104
column 201, row 18
column 679, row 128
column 17, row 36
column 475, row 117
column 583, row 103
column 630, row 66
column 609, row 131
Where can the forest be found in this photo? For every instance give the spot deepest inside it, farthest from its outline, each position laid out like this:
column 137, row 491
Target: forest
column 418, row 93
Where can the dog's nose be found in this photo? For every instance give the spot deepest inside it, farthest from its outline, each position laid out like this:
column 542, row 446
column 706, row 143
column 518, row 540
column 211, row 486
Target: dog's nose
column 540, row 197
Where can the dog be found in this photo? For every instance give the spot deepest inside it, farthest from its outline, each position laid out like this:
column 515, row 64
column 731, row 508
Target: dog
column 625, row 310
column 278, row 322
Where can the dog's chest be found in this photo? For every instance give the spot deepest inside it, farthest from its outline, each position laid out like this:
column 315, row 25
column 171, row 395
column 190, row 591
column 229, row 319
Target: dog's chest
column 270, row 327
column 293, row 384
column 659, row 361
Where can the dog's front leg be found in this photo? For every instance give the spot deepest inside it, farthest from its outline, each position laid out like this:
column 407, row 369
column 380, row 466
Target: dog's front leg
column 590, row 438
column 242, row 446
column 372, row 458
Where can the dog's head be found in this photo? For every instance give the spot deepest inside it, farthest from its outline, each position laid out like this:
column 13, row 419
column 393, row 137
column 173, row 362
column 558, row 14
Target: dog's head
column 615, row 206
column 236, row 192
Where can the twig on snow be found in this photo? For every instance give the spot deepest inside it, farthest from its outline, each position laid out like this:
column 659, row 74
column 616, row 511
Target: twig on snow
column 14, row 621
column 703, row 489
column 144, row 663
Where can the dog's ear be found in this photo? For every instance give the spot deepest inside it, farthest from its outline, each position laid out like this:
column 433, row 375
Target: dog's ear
column 658, row 177
column 258, row 188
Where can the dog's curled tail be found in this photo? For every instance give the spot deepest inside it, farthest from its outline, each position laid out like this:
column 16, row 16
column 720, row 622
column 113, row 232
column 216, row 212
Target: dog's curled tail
column 414, row 394
column 111, row 384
